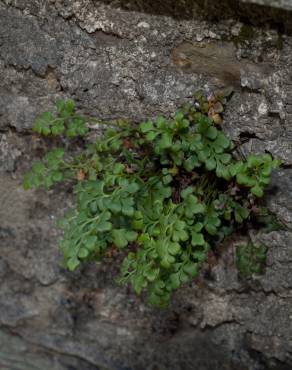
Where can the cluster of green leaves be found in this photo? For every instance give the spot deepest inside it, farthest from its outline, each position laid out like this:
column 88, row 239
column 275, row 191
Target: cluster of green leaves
column 164, row 191
column 255, row 172
column 48, row 171
column 251, row 259
column 64, row 122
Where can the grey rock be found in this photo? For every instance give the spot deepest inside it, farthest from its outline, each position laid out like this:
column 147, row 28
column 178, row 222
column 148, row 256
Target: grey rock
column 16, row 353
column 121, row 59
column 282, row 4
column 8, row 153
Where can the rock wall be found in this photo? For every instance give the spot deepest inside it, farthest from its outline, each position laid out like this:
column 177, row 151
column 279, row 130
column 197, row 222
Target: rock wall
column 282, row 4
column 137, row 59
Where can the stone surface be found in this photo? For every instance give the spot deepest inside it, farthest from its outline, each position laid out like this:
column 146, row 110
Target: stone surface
column 135, row 59
column 282, row 4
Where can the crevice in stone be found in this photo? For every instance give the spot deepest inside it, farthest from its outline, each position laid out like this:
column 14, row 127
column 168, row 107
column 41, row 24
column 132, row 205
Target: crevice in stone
column 250, row 90
column 10, row 128
column 249, row 13
column 246, row 136
column 286, row 166
column 105, row 36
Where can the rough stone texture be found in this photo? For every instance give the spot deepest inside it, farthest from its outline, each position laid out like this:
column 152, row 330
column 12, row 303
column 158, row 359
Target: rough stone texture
column 115, row 58
column 283, row 4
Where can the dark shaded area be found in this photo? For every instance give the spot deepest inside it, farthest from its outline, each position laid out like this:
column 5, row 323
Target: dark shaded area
column 211, row 10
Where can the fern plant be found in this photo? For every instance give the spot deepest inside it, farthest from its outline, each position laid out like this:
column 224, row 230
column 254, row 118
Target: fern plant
column 165, row 191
